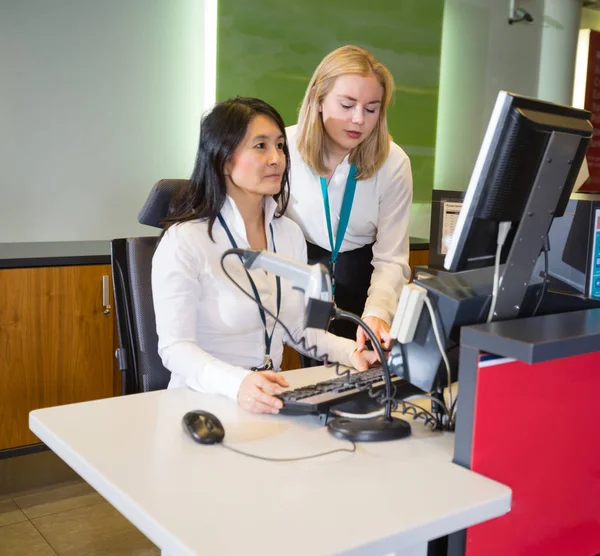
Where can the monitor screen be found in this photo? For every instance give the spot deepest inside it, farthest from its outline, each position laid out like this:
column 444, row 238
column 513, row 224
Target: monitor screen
column 515, row 148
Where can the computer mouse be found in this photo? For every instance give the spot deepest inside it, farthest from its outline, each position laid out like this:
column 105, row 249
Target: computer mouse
column 203, row 427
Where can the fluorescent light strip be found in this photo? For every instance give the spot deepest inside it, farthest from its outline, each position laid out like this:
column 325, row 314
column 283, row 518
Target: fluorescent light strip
column 581, row 68
column 210, row 53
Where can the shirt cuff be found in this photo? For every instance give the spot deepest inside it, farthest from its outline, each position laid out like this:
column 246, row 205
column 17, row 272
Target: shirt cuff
column 378, row 312
column 229, row 382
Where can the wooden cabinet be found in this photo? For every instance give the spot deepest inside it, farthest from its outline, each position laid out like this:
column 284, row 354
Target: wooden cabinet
column 418, row 258
column 56, row 343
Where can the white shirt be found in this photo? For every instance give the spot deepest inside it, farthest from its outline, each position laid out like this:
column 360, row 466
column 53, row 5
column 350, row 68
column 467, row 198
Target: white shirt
column 209, row 333
column 380, row 214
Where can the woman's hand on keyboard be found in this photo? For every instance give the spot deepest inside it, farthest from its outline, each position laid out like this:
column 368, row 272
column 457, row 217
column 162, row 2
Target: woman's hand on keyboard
column 362, row 360
column 380, row 328
column 255, row 393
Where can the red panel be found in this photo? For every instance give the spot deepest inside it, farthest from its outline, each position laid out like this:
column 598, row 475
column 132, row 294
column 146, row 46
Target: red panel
column 537, row 430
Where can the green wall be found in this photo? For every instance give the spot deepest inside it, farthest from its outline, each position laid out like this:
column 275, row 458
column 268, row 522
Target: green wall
column 270, row 49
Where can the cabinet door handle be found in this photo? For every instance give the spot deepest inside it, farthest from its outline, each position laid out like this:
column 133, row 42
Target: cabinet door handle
column 106, row 295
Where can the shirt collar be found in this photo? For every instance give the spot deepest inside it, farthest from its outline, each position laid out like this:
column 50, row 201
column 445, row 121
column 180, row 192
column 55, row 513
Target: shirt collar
column 343, row 172
column 233, row 217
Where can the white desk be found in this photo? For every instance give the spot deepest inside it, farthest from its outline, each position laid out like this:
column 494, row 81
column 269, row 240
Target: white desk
column 193, row 499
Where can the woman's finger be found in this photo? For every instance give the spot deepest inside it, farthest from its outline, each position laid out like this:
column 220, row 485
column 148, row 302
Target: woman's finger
column 255, row 405
column 386, row 340
column 359, row 362
column 275, row 377
column 264, row 383
column 372, row 357
column 361, row 338
column 268, row 400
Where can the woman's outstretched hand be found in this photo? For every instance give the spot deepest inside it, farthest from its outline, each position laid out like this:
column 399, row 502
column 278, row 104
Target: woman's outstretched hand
column 381, row 330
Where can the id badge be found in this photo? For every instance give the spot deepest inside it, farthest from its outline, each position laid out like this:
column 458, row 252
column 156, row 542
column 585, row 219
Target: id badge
column 332, row 275
column 266, row 366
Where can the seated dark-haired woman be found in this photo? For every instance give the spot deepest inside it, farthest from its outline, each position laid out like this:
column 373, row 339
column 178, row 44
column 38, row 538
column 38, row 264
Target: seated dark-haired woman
column 210, row 334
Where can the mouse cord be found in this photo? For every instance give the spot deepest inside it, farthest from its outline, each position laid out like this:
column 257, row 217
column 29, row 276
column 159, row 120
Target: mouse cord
column 351, row 451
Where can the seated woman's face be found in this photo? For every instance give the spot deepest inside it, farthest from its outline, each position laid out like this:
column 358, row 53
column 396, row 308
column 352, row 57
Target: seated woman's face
column 258, row 162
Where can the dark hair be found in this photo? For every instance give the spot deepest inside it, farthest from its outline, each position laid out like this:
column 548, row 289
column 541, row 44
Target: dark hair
column 222, row 129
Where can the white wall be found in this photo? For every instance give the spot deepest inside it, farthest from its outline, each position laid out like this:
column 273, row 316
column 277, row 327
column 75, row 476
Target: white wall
column 98, row 100
column 481, row 55
column 559, row 50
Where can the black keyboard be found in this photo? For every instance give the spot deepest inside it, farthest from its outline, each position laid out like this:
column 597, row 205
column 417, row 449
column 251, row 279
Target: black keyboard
column 320, row 397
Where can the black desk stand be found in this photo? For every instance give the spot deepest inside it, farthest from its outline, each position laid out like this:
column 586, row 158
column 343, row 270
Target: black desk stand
column 374, row 429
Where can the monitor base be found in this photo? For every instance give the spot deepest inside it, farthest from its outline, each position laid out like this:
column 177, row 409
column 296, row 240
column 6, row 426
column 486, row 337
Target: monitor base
column 369, row 430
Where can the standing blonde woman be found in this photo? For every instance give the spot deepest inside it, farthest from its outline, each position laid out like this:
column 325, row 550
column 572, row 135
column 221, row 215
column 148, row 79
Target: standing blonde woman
column 351, row 187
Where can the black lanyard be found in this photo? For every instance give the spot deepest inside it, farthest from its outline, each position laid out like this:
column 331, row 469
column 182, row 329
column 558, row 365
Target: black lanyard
column 268, row 337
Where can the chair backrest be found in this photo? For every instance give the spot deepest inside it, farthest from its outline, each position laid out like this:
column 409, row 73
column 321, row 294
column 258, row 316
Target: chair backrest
column 131, row 260
column 156, row 207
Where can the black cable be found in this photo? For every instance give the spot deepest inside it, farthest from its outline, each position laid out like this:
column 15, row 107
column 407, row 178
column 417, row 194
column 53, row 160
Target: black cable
column 437, row 395
column 428, row 416
column 453, row 411
column 390, row 402
column 440, row 403
column 291, row 459
column 545, row 284
column 406, row 407
column 389, row 398
column 433, row 413
column 417, row 412
column 311, row 351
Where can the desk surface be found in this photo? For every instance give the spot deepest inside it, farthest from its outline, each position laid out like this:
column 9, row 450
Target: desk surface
column 54, row 253
column 188, row 498
column 537, row 339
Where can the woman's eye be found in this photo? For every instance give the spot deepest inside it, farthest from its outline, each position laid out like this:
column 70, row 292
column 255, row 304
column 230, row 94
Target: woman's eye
column 370, row 110
column 347, row 107
column 259, row 146
column 280, row 146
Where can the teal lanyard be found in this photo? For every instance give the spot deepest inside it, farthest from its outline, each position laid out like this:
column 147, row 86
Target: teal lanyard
column 268, row 337
column 344, row 217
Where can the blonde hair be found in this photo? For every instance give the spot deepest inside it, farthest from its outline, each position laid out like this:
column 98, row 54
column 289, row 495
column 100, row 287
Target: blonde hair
column 371, row 153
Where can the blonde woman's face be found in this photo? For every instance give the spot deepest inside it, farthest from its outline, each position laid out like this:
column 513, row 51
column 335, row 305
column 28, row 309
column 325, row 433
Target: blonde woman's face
column 351, row 109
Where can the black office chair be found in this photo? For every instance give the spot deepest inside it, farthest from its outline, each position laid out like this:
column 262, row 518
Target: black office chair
column 131, row 260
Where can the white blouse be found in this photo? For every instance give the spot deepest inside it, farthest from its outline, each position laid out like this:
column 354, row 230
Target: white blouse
column 380, row 215
column 209, row 333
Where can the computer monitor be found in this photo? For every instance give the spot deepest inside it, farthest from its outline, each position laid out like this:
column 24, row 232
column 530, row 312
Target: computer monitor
column 529, row 144
column 574, row 259
column 528, row 162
